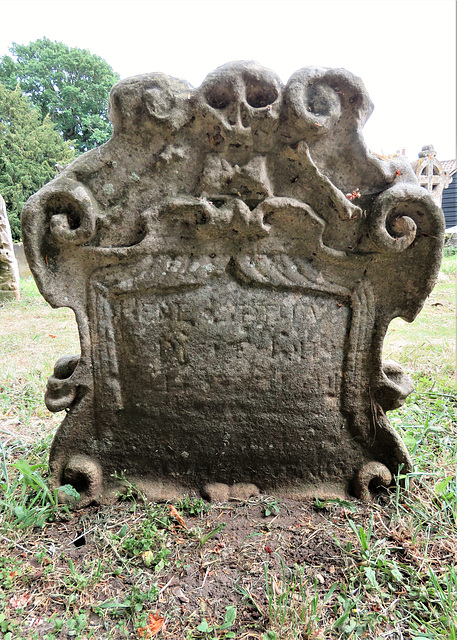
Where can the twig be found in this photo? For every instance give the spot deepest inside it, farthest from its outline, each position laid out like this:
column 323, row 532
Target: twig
column 432, row 393
column 84, row 533
column 116, row 553
column 167, row 585
column 204, row 579
column 381, row 522
column 16, row 544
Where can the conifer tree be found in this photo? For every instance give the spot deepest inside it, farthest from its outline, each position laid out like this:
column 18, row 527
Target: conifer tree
column 30, row 148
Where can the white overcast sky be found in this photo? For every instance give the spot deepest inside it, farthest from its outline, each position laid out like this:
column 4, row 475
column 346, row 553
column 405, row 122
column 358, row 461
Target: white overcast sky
column 404, row 50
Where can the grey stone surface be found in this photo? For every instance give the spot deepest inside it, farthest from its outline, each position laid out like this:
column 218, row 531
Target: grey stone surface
column 22, row 264
column 9, row 273
column 234, row 256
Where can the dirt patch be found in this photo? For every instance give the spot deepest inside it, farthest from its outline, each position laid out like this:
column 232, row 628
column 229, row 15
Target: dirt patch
column 231, row 556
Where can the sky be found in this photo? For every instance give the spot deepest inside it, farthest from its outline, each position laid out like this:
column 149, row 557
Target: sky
column 404, row 50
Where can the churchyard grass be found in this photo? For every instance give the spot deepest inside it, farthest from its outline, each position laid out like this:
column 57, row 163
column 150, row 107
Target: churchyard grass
column 263, row 569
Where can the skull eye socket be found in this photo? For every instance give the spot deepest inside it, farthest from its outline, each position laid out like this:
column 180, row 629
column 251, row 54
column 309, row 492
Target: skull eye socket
column 321, row 99
column 219, row 97
column 64, row 205
column 259, row 94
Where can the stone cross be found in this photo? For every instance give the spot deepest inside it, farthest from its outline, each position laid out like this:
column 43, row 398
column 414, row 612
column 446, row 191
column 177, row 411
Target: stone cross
column 9, row 273
column 233, row 257
column 431, row 174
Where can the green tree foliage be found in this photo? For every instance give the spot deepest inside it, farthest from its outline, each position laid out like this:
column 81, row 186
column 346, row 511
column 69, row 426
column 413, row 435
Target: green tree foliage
column 70, row 84
column 29, row 150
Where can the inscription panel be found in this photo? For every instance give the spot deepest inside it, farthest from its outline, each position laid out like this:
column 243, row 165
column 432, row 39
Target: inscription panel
column 229, row 340
column 239, row 370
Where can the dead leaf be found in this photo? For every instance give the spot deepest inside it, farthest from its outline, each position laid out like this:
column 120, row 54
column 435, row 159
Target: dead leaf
column 277, row 586
column 155, row 623
column 18, row 602
column 148, row 558
column 174, row 513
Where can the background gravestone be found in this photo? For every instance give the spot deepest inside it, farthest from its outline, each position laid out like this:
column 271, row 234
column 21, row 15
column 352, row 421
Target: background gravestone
column 22, row 264
column 9, row 274
column 431, row 174
column 233, row 256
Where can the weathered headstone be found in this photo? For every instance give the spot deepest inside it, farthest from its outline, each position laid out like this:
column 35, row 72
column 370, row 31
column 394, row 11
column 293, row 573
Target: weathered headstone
column 9, row 273
column 233, row 256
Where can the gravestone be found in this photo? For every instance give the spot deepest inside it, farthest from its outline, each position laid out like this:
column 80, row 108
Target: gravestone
column 431, row 174
column 233, row 256
column 22, row 264
column 9, row 274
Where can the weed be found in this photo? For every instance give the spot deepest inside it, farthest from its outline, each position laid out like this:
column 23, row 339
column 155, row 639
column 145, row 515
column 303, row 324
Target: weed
column 27, row 500
column 10, row 571
column 7, row 627
column 192, row 506
column 442, row 592
column 293, row 604
column 58, row 624
column 131, row 606
column 149, row 538
column 128, row 491
column 271, row 506
column 79, row 581
column 204, row 537
column 323, row 505
column 216, row 631
column 356, row 621
column 77, row 624
column 449, row 250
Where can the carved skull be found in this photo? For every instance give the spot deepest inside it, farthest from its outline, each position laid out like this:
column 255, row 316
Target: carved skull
column 240, row 104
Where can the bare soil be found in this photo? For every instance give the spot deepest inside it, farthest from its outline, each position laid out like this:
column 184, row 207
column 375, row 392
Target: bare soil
column 199, row 580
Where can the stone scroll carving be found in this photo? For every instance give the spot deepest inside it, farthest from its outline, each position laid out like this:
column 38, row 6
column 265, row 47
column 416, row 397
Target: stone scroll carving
column 233, row 256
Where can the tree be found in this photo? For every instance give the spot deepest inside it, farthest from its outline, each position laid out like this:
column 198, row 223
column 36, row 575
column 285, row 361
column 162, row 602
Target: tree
column 29, row 150
column 70, row 85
